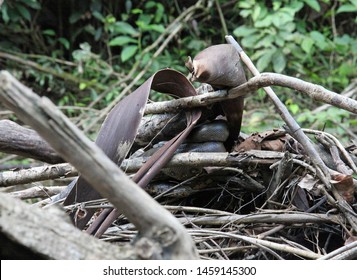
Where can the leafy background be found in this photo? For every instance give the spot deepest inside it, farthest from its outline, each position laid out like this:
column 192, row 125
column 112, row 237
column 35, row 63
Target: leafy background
column 85, row 55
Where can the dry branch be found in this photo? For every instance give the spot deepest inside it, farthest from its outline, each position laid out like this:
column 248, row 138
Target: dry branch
column 262, row 80
column 35, row 174
column 155, row 224
column 242, row 160
column 38, row 192
column 15, row 139
column 49, row 235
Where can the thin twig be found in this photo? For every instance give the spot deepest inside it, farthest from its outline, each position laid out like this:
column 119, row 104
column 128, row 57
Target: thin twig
column 260, row 242
column 338, row 145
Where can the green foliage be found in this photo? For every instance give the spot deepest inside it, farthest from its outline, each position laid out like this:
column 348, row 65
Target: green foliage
column 280, row 37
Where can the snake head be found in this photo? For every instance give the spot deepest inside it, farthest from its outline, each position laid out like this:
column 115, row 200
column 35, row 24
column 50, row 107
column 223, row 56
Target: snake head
column 197, row 70
column 218, row 65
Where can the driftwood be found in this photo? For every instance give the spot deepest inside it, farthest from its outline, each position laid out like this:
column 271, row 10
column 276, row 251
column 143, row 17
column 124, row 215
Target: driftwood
column 156, row 225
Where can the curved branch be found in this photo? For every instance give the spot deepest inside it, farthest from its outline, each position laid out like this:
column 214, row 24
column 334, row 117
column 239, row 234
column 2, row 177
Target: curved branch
column 316, row 92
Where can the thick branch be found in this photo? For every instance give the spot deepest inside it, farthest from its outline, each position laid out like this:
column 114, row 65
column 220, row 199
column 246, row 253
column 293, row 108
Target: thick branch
column 49, row 234
column 242, row 160
column 152, row 221
column 15, row 139
column 35, row 174
column 314, row 91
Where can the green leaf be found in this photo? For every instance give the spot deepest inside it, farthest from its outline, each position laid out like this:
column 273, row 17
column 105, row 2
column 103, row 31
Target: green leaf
column 121, row 41
column 343, row 40
column 320, row 40
column 256, row 12
column 85, row 46
column 279, row 62
column 74, row 17
column 346, row 8
column 125, row 28
column 264, row 22
column 98, row 16
column 307, row 44
column 23, row 11
column 159, row 12
column 345, row 69
column 98, row 34
column 264, row 61
column 82, row 85
column 297, row 5
column 49, row 32
column 33, row 4
column 245, row 4
column 152, row 27
column 5, row 15
column 245, row 13
column 282, row 18
column 250, row 41
column 64, row 42
column 265, row 42
column 128, row 52
column 243, row 31
column 294, row 108
column 313, row 4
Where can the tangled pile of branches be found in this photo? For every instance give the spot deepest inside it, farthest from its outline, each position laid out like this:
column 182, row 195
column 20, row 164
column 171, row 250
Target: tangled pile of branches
column 274, row 195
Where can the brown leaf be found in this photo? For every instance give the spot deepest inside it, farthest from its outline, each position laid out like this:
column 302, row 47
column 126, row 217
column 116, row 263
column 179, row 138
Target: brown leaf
column 271, row 140
column 345, row 186
column 311, row 184
column 119, row 129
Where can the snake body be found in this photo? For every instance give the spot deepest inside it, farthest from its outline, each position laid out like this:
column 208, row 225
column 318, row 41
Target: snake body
column 205, row 138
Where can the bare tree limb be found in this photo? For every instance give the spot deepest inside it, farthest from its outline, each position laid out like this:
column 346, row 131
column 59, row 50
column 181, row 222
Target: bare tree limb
column 249, row 158
column 153, row 222
column 15, row 139
column 35, row 174
column 262, row 80
column 38, row 192
column 316, row 92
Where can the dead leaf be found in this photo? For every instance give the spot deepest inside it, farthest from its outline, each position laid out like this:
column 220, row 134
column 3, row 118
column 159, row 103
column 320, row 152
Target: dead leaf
column 310, row 183
column 344, row 185
column 119, row 129
column 271, row 140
